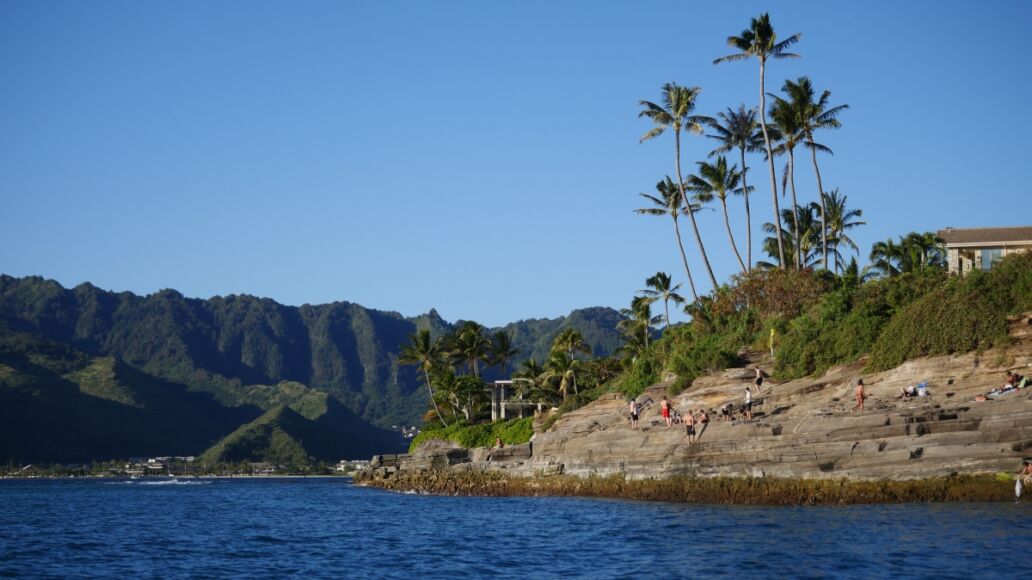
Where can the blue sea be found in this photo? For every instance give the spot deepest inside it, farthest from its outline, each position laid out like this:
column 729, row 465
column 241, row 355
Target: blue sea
column 329, row 528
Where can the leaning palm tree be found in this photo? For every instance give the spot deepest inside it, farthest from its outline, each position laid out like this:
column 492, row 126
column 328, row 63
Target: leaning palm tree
column 669, row 203
column 760, row 41
column 661, row 286
column 739, row 130
column 814, row 115
column 676, row 114
column 840, row 220
column 561, row 369
column 717, row 180
column 426, row 353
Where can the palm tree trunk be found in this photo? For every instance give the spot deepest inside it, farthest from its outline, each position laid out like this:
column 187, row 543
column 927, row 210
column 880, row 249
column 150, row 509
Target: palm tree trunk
column 770, row 162
column 666, row 306
column 727, row 223
column 795, row 211
column 691, row 214
column 684, row 258
column 429, row 387
column 820, row 193
column 748, row 217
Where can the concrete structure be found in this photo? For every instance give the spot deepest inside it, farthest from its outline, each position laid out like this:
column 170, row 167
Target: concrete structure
column 979, row 248
column 507, row 400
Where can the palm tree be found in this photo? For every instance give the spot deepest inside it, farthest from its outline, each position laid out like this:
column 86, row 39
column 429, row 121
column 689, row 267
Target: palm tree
column 786, row 120
column 676, row 114
column 814, row 115
column 638, row 319
column 661, row 286
column 739, row 130
column 426, row 353
column 760, row 41
column 502, row 350
column 571, row 341
column 809, row 236
column 914, row 252
column 718, row 180
column 562, row 368
column 839, row 220
column 469, row 346
column 669, row 202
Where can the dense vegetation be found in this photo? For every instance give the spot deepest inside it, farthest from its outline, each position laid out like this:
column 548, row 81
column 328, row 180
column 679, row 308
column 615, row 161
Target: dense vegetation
column 511, row 432
column 225, row 345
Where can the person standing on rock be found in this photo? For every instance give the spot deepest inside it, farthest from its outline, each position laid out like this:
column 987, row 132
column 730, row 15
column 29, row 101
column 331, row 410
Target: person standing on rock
column 664, row 407
column 759, row 379
column 748, row 404
column 633, row 408
column 689, row 429
column 860, row 396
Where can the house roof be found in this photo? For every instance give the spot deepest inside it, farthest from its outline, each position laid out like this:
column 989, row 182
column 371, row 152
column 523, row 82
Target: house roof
column 954, row 236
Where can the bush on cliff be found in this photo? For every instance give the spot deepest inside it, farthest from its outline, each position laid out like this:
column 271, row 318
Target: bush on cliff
column 967, row 313
column 512, row 432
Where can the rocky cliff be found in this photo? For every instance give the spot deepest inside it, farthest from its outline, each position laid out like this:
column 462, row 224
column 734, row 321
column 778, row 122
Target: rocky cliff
column 801, row 430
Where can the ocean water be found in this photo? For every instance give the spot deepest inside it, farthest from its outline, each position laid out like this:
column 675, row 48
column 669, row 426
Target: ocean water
column 329, row 528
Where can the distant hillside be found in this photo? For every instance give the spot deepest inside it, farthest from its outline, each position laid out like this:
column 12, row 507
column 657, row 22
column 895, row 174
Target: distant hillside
column 91, row 374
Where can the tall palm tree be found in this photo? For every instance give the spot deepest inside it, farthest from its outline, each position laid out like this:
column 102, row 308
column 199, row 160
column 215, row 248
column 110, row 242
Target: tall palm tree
column 502, row 350
column 717, row 180
column 661, row 286
column 760, row 41
column 676, row 114
column 669, row 203
column 426, row 353
column 840, row 220
column 786, row 120
column 739, row 130
column 813, row 116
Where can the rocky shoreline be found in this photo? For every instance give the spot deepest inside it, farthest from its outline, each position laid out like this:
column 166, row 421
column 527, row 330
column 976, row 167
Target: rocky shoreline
column 803, row 445
column 718, row 490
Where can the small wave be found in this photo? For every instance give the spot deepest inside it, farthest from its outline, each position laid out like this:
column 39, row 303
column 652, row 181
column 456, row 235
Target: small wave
column 175, row 482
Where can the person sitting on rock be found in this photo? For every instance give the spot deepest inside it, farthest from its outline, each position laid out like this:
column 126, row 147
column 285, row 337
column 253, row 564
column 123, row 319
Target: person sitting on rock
column 498, row 443
column 907, row 392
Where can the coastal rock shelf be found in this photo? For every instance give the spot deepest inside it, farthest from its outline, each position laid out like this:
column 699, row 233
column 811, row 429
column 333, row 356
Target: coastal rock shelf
column 801, row 430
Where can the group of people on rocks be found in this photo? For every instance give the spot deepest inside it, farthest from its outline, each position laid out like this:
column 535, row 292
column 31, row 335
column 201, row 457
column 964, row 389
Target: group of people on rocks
column 696, row 420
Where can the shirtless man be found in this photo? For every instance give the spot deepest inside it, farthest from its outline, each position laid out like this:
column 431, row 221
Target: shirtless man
column 664, row 408
column 689, row 421
column 860, row 396
column 759, row 379
column 748, row 404
column 633, row 408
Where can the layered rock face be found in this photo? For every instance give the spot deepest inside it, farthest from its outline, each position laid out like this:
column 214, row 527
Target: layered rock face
column 801, row 429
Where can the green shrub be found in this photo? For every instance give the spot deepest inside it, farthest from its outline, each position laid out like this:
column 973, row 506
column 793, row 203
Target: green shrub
column 511, row 432
column 965, row 314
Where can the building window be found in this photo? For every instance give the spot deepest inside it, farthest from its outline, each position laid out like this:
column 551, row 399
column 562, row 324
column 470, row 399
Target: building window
column 990, row 256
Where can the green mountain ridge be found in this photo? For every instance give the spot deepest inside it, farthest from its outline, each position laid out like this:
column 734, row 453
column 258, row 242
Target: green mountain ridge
column 91, row 374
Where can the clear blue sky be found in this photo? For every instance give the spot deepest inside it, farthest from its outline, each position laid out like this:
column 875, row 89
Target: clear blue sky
column 477, row 157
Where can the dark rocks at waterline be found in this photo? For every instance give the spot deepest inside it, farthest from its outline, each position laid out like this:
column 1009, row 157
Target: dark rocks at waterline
column 716, row 490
